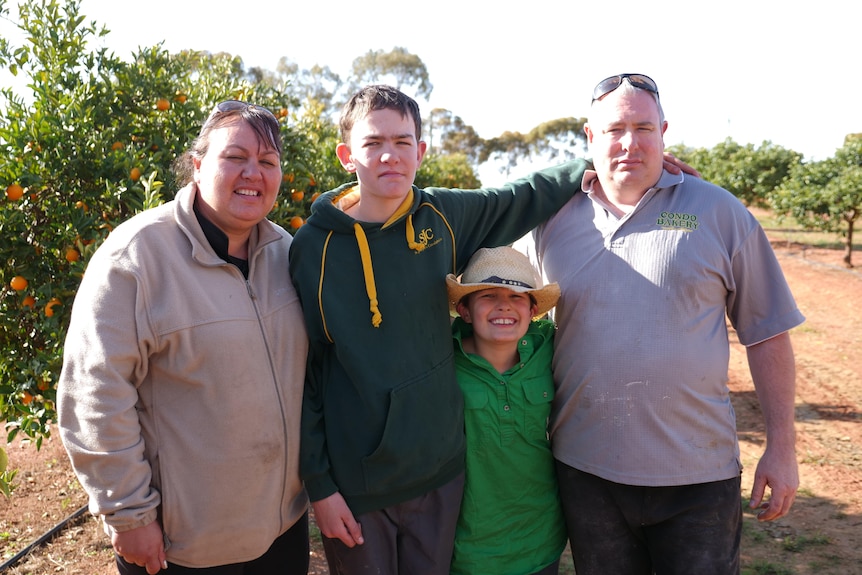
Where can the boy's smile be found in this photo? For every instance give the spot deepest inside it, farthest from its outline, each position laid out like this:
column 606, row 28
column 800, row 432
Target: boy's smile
column 498, row 315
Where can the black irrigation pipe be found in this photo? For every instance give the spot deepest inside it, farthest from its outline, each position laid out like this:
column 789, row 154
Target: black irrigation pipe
column 45, row 537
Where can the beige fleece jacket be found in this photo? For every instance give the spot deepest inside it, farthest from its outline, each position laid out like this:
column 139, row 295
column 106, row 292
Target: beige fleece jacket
column 181, row 388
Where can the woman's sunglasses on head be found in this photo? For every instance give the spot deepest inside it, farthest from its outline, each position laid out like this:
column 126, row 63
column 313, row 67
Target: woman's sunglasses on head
column 239, row 105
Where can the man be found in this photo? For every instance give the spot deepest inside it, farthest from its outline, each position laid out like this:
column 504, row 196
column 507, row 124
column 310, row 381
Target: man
column 650, row 265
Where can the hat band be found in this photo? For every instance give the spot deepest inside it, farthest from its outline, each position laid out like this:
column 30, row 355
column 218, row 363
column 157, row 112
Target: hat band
column 503, row 281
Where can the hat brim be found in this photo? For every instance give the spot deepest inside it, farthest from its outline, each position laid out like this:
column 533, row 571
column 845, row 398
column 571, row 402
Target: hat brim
column 546, row 297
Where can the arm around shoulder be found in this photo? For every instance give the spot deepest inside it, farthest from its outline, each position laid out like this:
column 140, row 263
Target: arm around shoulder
column 499, row 216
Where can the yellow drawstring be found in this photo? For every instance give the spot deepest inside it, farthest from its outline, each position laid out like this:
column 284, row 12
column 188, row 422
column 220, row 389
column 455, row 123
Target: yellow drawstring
column 368, row 272
column 411, row 243
column 365, row 252
column 404, row 210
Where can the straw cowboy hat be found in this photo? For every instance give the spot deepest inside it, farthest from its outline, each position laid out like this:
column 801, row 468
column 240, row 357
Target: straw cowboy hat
column 502, row 267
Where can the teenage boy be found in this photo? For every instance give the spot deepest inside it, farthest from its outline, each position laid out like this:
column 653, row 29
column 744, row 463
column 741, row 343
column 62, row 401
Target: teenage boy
column 511, row 519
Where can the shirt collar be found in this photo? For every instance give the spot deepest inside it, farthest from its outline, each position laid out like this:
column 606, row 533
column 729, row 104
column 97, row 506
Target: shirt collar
column 218, row 241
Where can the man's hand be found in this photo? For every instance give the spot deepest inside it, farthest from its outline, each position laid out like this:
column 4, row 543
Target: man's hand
column 674, row 165
column 143, row 546
column 335, row 520
column 781, row 474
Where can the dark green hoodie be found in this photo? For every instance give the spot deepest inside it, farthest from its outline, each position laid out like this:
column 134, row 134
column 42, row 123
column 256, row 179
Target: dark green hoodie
column 382, row 415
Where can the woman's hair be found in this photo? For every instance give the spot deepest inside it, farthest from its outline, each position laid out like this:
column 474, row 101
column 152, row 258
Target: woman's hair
column 378, row 97
column 261, row 120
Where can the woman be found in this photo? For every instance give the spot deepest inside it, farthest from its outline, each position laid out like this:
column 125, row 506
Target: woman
column 180, row 395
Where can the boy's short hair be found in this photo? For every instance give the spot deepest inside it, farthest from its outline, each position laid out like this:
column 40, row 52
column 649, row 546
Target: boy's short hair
column 377, row 97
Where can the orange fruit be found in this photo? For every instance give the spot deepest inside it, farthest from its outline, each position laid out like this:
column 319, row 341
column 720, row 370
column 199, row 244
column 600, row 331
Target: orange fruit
column 26, row 398
column 287, row 178
column 14, row 192
column 311, row 181
column 49, row 307
column 135, row 174
column 18, row 283
column 314, row 196
column 117, row 146
column 296, row 195
column 82, row 206
column 72, row 255
column 282, row 113
column 181, row 98
column 29, row 301
column 296, row 222
column 162, row 104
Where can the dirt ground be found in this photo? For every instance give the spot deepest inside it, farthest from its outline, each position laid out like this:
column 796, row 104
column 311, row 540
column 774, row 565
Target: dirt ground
column 822, row 534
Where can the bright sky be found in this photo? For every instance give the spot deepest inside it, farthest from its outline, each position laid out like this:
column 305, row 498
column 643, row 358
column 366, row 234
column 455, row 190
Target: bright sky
column 752, row 70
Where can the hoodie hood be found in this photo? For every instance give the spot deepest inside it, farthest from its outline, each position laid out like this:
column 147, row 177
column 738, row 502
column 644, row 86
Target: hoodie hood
column 327, row 212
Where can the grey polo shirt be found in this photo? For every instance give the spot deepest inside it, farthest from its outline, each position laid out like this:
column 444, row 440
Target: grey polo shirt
column 642, row 347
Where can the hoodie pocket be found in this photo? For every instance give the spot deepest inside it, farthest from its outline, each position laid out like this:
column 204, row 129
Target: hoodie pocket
column 424, row 432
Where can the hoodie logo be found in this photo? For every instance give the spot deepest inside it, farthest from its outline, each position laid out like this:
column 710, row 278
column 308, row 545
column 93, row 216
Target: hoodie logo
column 426, row 238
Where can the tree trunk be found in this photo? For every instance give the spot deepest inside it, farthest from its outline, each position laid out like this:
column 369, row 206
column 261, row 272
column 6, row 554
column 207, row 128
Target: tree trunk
column 848, row 246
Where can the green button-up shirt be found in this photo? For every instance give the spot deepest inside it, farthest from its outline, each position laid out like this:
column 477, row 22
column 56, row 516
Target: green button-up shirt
column 511, row 519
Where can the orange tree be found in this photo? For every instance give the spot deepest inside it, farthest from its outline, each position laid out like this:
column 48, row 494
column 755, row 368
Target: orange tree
column 826, row 195
column 91, row 146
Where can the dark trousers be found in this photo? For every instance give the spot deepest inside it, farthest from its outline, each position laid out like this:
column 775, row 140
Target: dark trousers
column 633, row 530
column 411, row 538
column 288, row 555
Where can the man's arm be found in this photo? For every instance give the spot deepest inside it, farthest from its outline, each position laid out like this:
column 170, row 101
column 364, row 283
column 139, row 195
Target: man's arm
column 773, row 371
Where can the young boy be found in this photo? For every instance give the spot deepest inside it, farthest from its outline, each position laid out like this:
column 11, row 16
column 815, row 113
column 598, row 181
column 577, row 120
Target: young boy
column 511, row 519
column 382, row 453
